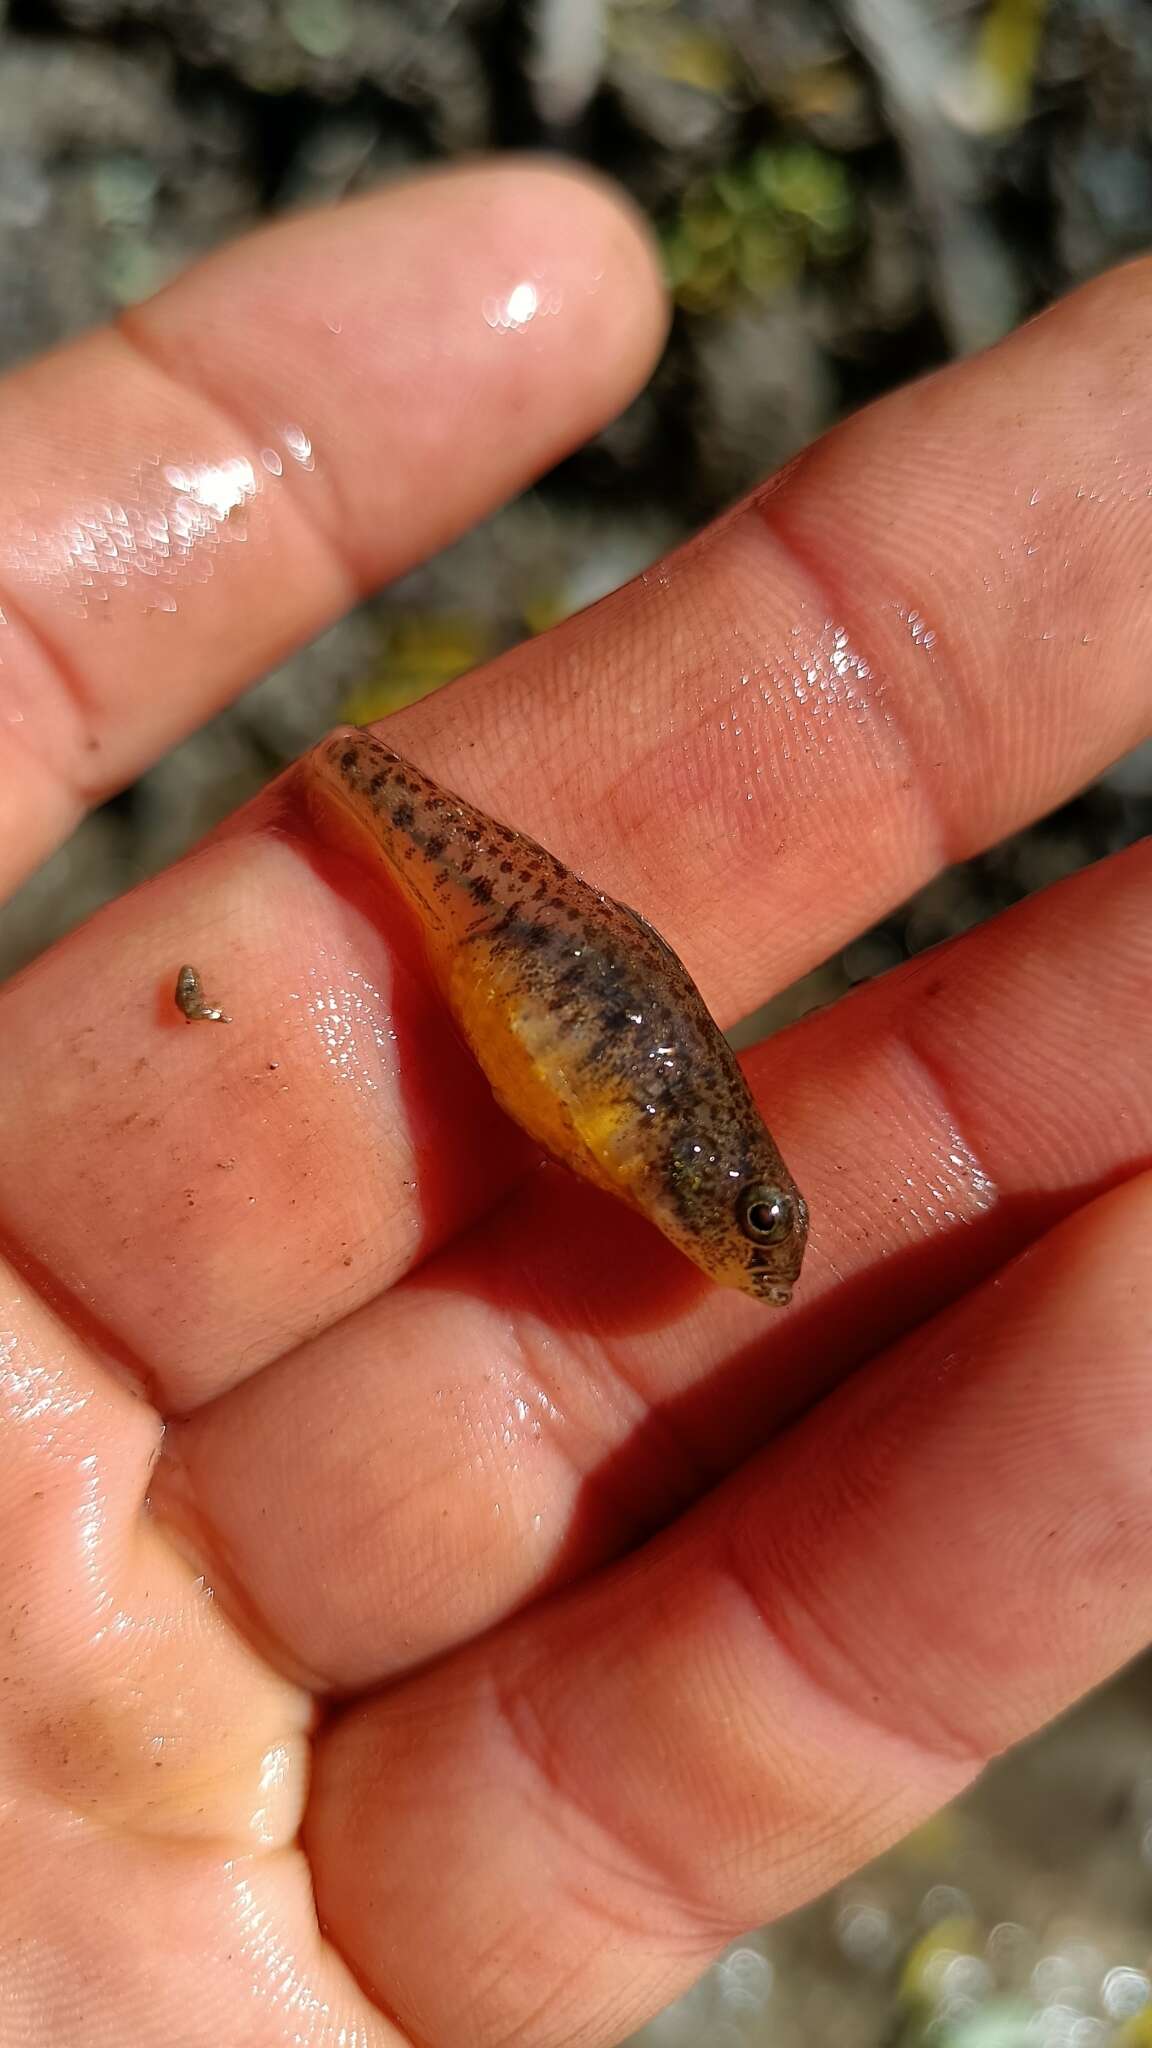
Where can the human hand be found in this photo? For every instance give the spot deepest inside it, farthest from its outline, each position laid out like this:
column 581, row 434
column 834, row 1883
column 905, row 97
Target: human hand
column 421, row 1391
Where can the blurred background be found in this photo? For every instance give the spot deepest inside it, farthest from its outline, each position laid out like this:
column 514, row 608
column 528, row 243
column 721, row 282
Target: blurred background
column 847, row 193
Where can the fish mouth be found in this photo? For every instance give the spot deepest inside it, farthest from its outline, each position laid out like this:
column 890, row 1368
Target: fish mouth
column 777, row 1292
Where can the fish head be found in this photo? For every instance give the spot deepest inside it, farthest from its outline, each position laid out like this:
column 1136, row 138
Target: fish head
column 737, row 1214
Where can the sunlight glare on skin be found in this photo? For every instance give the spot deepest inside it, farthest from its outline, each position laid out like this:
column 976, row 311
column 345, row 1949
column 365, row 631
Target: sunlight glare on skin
column 347, row 1021
column 513, row 312
column 299, row 446
column 165, row 527
column 828, row 672
column 35, row 1389
column 278, row 1781
column 951, row 1187
column 285, row 1984
column 793, row 705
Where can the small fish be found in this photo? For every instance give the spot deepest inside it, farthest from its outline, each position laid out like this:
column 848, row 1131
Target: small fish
column 589, row 1030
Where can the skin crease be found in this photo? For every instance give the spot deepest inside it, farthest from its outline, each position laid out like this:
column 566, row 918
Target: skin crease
column 430, row 1611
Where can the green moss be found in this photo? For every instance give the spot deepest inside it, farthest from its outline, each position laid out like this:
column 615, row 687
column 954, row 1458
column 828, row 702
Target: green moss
column 756, row 224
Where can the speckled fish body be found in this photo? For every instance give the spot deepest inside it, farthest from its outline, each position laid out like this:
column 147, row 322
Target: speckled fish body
column 591, row 1033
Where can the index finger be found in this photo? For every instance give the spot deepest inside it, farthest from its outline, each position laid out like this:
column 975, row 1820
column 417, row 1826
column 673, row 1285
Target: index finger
column 188, row 495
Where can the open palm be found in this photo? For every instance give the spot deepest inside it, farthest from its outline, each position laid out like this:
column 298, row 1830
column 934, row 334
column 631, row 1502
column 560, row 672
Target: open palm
column 428, row 1609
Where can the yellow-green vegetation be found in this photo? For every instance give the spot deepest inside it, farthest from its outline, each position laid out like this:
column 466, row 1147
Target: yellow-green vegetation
column 757, row 224
column 420, row 652
column 1005, row 63
column 919, row 1978
column 936, row 1971
column 655, row 34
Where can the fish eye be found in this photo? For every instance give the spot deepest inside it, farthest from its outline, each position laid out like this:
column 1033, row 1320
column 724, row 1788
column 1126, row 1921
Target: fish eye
column 766, row 1214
